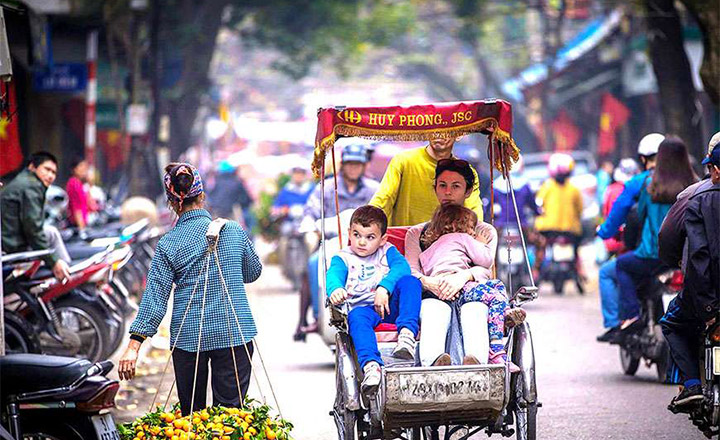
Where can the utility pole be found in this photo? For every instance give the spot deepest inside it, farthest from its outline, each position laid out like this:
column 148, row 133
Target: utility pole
column 90, row 102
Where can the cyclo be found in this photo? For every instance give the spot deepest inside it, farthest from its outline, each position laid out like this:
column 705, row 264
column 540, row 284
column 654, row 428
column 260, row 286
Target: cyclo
column 415, row 402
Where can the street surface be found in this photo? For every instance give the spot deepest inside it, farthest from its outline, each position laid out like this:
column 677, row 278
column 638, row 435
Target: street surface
column 580, row 383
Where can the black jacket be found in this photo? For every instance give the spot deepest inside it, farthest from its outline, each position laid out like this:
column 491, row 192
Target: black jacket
column 671, row 239
column 702, row 275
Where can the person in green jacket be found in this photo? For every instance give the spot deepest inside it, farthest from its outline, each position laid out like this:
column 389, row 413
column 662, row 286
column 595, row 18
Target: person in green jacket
column 22, row 203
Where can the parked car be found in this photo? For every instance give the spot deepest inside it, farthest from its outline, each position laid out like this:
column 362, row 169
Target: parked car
column 536, row 172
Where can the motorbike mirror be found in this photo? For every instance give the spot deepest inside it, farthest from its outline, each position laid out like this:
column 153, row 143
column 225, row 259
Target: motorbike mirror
column 526, row 294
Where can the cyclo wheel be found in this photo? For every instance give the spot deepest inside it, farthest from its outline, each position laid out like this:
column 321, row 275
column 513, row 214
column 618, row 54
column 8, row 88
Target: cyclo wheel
column 525, row 413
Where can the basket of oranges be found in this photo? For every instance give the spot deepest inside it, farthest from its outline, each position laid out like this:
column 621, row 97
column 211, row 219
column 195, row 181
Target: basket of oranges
column 251, row 422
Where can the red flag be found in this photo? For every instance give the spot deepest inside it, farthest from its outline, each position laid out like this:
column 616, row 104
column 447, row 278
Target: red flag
column 566, row 133
column 11, row 156
column 614, row 115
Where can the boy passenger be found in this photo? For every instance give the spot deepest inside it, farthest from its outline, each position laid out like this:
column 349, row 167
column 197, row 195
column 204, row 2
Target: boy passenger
column 374, row 279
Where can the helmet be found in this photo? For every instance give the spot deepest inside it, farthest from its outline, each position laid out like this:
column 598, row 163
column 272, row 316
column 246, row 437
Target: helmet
column 560, row 163
column 355, row 153
column 225, row 167
column 650, row 144
column 625, row 170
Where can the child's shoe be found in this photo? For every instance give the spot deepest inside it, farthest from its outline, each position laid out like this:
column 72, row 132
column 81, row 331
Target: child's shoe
column 470, row 360
column 442, row 361
column 405, row 348
column 371, row 380
column 500, row 357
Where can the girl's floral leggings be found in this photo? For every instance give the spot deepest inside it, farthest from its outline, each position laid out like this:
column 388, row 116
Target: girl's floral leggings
column 492, row 294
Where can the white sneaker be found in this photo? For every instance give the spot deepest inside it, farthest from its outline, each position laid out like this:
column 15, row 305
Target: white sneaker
column 371, row 380
column 405, row 348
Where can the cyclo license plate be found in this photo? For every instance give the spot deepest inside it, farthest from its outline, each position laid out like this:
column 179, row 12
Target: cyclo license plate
column 105, row 427
column 447, row 386
column 563, row 252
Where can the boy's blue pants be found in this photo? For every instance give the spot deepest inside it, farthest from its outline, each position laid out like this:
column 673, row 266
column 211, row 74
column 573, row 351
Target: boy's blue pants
column 404, row 313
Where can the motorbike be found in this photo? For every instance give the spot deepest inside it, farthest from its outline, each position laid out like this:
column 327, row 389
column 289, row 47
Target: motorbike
column 560, row 263
column 511, row 265
column 648, row 343
column 706, row 415
column 293, row 250
column 53, row 397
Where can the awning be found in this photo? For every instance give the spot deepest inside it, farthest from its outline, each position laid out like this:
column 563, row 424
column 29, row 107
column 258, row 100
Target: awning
column 418, row 123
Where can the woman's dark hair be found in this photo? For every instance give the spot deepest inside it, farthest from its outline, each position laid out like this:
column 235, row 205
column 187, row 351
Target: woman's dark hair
column 39, row 158
column 74, row 164
column 459, row 166
column 182, row 182
column 673, row 172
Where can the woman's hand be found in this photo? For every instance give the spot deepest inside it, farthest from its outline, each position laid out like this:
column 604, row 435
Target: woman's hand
column 128, row 361
column 431, row 284
column 452, row 284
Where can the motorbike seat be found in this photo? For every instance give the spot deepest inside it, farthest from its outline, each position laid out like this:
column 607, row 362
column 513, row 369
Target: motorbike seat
column 79, row 252
column 22, row 373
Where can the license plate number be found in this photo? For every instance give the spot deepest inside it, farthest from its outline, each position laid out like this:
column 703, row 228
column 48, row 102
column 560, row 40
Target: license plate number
column 716, row 360
column 563, row 252
column 445, row 387
column 105, row 427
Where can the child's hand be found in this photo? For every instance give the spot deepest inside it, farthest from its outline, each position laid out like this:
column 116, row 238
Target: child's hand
column 338, row 296
column 485, row 236
column 382, row 302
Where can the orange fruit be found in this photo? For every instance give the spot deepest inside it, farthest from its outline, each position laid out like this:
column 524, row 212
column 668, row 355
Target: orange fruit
column 270, row 434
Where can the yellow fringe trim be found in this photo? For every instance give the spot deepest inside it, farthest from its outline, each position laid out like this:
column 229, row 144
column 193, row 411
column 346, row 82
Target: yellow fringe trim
column 506, row 152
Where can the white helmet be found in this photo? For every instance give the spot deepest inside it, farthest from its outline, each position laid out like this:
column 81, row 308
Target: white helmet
column 650, row 144
column 560, row 163
column 625, row 170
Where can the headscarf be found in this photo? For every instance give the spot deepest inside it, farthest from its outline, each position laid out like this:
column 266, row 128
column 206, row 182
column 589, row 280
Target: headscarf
column 178, row 196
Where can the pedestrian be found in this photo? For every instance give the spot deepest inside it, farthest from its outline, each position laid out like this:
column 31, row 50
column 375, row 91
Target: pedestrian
column 697, row 305
column 228, row 328
column 77, row 196
column 23, row 214
column 406, row 190
column 229, row 192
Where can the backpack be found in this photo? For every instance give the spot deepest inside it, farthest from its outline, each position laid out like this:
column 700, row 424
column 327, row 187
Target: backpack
column 636, row 219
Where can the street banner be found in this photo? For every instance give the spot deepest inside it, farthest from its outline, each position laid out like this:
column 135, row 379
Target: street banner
column 566, row 133
column 11, row 156
column 417, row 123
column 613, row 116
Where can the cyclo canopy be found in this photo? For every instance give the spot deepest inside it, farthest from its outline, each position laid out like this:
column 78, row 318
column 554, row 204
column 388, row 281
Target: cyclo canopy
column 418, row 123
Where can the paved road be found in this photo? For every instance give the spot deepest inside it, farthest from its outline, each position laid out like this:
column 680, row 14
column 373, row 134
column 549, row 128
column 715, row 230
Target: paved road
column 583, row 391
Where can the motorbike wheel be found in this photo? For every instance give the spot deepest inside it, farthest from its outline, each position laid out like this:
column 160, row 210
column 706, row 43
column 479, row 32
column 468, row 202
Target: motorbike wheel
column 628, row 362
column 20, row 337
column 87, row 320
column 558, row 284
column 662, row 362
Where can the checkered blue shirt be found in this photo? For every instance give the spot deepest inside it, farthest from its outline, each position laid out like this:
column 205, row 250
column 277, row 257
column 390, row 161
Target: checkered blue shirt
column 178, row 260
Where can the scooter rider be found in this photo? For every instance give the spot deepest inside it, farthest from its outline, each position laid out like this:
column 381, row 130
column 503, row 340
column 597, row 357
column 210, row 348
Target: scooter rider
column 697, row 305
column 354, row 189
column 23, row 215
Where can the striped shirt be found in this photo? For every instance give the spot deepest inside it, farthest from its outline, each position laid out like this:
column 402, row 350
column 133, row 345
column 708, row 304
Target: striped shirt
column 179, row 258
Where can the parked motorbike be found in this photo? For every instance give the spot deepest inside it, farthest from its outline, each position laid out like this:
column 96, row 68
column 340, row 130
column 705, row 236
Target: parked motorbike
column 648, row 343
column 52, row 397
column 560, row 263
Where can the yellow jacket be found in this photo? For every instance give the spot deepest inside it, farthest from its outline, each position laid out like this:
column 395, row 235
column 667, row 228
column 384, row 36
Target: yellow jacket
column 407, row 193
column 562, row 207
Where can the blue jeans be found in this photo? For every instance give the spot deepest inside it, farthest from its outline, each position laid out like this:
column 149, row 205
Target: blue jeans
column 609, row 294
column 633, row 271
column 404, row 312
column 313, row 263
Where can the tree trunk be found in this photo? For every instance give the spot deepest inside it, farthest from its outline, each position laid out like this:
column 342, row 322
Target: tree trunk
column 678, row 101
column 707, row 14
column 183, row 101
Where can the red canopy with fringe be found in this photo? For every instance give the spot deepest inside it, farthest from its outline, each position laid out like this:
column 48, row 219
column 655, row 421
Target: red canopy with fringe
column 417, row 123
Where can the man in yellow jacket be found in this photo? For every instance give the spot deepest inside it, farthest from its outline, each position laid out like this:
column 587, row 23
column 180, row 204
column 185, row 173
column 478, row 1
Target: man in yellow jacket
column 562, row 202
column 407, row 194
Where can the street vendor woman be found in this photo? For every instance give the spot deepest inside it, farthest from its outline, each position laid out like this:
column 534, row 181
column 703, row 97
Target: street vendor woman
column 179, row 259
column 407, row 192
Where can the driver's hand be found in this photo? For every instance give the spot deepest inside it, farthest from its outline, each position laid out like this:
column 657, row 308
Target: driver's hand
column 338, row 297
column 61, row 270
column 382, row 302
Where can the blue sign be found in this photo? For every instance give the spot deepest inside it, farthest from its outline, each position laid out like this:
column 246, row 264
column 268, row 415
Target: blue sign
column 61, row 77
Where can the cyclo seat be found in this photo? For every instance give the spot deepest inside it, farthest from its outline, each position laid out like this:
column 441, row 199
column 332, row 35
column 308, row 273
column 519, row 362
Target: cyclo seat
column 22, row 373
